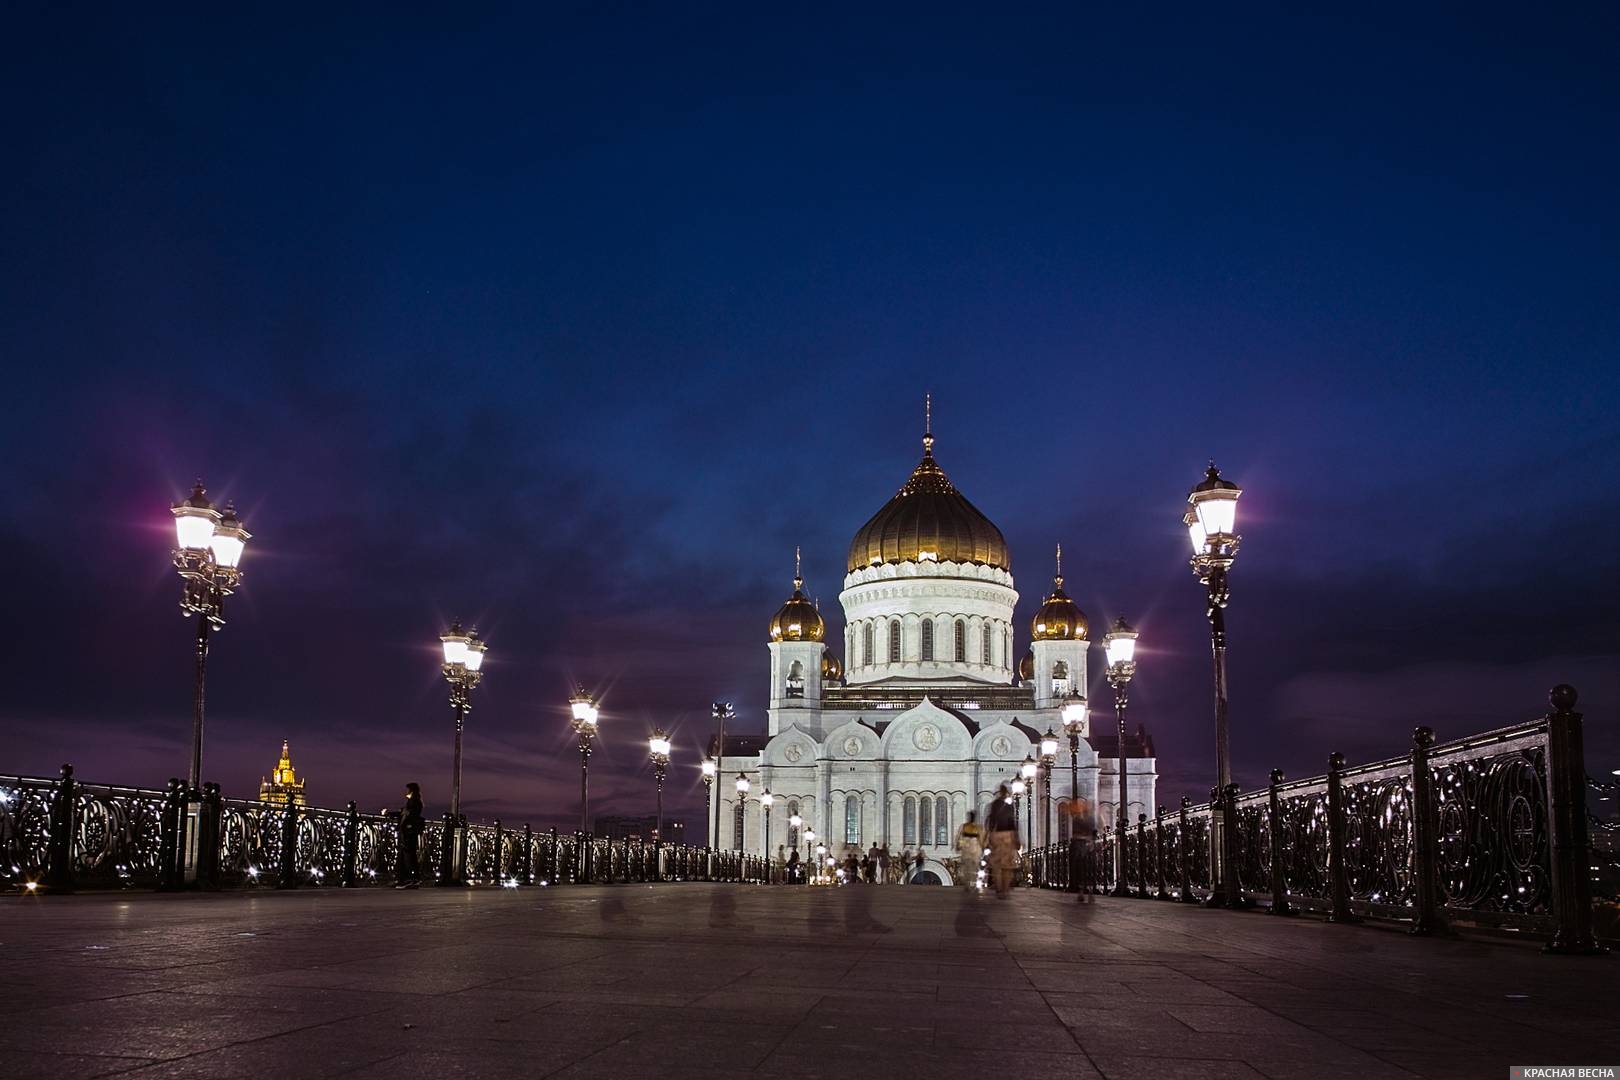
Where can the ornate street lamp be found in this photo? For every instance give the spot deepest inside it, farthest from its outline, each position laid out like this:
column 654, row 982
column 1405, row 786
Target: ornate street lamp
column 721, row 711
column 1212, row 526
column 1120, row 642
column 208, row 555
column 710, row 770
column 765, row 800
column 584, row 718
column 742, row 786
column 1028, row 771
column 658, row 749
column 1076, row 724
column 795, row 827
column 1018, row 787
column 1049, row 749
column 463, row 668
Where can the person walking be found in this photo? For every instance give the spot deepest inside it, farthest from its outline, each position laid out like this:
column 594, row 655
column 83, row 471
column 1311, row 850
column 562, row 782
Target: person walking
column 409, row 872
column 876, row 873
column 916, row 875
column 1082, row 834
column 1002, row 823
column 795, row 873
column 969, row 849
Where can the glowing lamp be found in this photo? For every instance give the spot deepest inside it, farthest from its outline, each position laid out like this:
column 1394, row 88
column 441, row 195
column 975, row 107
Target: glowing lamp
column 455, row 645
column 1018, row 786
column 795, row 820
column 1120, row 643
column 766, row 798
column 1215, row 503
column 194, row 520
column 1027, row 770
column 742, row 783
column 584, row 708
column 1049, row 744
column 229, row 539
column 658, row 746
column 1074, row 715
column 709, row 768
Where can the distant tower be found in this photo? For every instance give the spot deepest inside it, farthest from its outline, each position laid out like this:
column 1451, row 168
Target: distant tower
column 796, row 660
column 282, row 786
column 1058, row 645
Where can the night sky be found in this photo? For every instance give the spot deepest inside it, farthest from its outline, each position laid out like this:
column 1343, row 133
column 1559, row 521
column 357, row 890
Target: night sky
column 574, row 325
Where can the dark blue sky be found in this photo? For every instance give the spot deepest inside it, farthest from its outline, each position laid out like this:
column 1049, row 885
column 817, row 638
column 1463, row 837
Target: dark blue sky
column 575, row 324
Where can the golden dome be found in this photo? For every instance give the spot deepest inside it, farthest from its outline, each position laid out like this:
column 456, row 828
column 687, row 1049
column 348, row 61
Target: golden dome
column 1026, row 666
column 928, row 520
column 831, row 669
column 798, row 619
column 1059, row 618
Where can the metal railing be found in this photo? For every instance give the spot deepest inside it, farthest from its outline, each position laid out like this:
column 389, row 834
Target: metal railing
column 1489, row 830
column 59, row 835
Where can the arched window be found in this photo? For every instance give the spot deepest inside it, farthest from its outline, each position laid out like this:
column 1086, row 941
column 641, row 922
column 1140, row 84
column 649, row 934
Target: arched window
column 928, row 639
column 925, row 824
column 986, row 644
column 894, row 641
column 868, row 654
column 795, row 680
column 737, row 827
column 1063, row 821
column 909, row 818
column 852, row 819
column 942, row 821
column 961, row 642
column 793, row 830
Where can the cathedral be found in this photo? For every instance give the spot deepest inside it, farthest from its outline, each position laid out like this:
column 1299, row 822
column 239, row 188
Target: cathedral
column 931, row 707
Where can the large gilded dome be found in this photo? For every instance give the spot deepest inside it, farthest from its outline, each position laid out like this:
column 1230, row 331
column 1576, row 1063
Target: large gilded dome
column 928, row 520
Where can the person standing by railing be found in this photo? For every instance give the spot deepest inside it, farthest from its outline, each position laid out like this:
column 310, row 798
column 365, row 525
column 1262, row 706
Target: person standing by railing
column 1002, row 822
column 409, row 875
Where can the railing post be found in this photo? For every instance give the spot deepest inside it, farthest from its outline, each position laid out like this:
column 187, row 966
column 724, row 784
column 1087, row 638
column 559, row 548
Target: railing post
column 528, row 854
column 59, row 854
column 1274, row 825
column 553, row 865
column 171, row 849
column 287, row 876
column 1428, row 915
column 351, row 846
column 1185, row 843
column 1566, row 820
column 1142, row 856
column 1338, row 872
column 1158, row 852
column 500, row 853
column 208, row 828
column 447, row 850
column 1229, row 841
column 1218, row 871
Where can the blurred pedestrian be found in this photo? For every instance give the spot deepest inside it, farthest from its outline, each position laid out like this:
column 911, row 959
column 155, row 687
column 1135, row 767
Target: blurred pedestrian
column 969, row 847
column 409, row 872
column 1002, row 823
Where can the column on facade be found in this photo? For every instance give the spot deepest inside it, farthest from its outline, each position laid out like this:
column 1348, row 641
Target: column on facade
column 883, row 802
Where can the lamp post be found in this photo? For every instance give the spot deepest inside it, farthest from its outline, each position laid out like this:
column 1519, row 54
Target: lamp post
column 1120, row 642
column 1049, row 749
column 1029, row 772
column 208, row 556
column 1019, row 786
column 720, row 710
column 709, row 771
column 1076, row 715
column 658, row 749
column 795, row 827
column 462, row 667
column 742, row 786
column 821, row 860
column 765, row 800
column 810, row 851
column 1212, row 526
column 585, row 716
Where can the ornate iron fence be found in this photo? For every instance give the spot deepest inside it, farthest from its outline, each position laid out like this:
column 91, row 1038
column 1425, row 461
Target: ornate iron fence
column 1490, row 830
column 60, row 834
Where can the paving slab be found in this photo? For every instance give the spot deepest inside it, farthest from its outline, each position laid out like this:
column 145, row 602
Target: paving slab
column 698, row 980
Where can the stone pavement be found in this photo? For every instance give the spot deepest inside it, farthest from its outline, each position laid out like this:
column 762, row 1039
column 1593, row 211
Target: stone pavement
column 678, row 981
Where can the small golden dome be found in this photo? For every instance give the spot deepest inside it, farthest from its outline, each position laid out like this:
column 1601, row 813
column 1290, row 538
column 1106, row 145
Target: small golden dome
column 1059, row 618
column 1026, row 666
column 928, row 520
column 798, row 619
column 831, row 669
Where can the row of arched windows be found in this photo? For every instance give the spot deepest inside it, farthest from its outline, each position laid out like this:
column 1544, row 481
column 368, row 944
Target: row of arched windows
column 926, row 820
column 927, row 652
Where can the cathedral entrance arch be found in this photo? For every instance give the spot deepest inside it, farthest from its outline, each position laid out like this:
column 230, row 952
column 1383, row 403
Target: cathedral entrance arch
column 933, row 872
